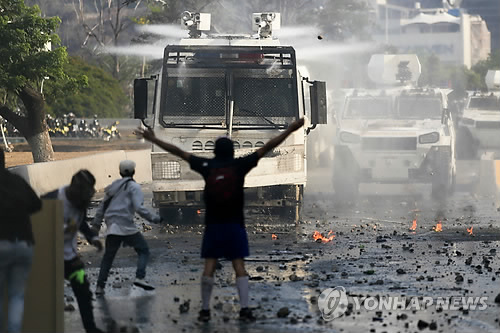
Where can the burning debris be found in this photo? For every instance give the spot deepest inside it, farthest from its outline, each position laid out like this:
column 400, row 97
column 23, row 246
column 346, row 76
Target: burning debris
column 414, row 225
column 438, row 227
column 319, row 238
column 273, row 236
column 469, row 230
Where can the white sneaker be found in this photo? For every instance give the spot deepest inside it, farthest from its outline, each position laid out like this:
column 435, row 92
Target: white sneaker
column 99, row 291
column 143, row 284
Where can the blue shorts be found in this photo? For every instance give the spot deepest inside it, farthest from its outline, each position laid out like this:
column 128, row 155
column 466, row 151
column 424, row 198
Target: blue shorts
column 227, row 240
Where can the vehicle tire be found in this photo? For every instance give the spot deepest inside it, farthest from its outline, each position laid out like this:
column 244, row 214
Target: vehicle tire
column 442, row 178
column 345, row 178
column 170, row 215
column 190, row 216
column 287, row 213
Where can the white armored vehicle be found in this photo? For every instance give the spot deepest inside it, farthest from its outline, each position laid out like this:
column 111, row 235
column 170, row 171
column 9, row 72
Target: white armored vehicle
column 246, row 87
column 394, row 135
column 480, row 122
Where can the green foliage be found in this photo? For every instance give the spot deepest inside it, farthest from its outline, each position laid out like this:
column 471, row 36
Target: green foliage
column 102, row 94
column 482, row 67
column 25, row 58
column 459, row 78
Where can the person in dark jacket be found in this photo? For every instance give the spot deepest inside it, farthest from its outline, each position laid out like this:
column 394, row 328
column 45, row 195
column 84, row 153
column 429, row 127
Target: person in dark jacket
column 76, row 199
column 18, row 202
column 225, row 234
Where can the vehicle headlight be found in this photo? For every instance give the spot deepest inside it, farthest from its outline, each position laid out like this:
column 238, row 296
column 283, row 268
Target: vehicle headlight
column 429, row 138
column 349, row 137
column 467, row 121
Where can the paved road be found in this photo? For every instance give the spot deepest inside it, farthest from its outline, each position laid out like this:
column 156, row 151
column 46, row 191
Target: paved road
column 374, row 255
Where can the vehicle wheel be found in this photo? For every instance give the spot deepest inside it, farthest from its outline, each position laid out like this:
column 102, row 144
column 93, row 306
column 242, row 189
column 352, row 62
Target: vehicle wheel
column 442, row 179
column 288, row 213
column 170, row 215
column 345, row 179
column 190, row 216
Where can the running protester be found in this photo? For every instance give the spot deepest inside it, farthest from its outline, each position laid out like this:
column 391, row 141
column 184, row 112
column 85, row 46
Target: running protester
column 122, row 199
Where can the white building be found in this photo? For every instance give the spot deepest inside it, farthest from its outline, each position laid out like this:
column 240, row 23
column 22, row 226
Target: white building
column 459, row 39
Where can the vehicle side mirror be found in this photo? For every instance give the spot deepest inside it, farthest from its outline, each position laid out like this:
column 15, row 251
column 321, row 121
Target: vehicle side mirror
column 318, row 102
column 140, row 98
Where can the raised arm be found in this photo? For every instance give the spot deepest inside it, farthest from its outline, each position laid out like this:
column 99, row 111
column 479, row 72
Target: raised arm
column 274, row 142
column 149, row 135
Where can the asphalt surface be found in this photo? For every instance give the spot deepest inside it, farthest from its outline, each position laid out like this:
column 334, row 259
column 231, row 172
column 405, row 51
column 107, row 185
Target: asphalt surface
column 373, row 255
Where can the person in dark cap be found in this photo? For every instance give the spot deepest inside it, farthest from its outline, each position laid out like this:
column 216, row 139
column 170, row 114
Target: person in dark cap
column 225, row 234
column 18, row 202
column 122, row 199
column 76, row 199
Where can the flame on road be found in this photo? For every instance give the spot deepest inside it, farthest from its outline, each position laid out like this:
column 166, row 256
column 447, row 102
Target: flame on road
column 469, row 230
column 318, row 236
column 438, row 227
column 273, row 236
column 414, row 225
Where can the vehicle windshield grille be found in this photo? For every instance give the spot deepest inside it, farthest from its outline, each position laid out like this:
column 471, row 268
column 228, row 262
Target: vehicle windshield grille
column 371, row 107
column 389, row 143
column 419, row 108
column 485, row 103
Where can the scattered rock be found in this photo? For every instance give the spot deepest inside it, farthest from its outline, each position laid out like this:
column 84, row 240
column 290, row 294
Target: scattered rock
column 422, row 324
column 69, row 308
column 184, row 307
column 377, row 283
column 400, row 271
column 295, row 278
column 283, row 312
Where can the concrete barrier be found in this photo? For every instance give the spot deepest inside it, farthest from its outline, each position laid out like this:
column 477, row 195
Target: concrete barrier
column 47, row 176
column 44, row 296
column 497, row 182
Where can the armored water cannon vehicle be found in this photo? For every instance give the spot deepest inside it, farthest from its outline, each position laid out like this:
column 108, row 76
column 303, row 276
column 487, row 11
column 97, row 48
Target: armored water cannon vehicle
column 246, row 87
column 396, row 134
column 479, row 126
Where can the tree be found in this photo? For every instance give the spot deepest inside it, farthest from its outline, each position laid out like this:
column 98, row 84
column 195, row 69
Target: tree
column 27, row 63
column 111, row 18
column 103, row 95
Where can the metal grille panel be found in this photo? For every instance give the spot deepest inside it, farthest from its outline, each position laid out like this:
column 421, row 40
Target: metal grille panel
column 197, row 100
column 166, row 170
column 259, row 98
column 389, row 143
column 290, row 163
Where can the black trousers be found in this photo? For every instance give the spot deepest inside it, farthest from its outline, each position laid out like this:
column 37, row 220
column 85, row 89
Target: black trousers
column 75, row 274
column 113, row 243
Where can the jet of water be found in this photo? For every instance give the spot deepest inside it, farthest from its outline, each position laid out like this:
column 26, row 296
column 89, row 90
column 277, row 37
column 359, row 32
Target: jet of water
column 166, row 30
